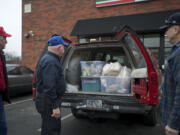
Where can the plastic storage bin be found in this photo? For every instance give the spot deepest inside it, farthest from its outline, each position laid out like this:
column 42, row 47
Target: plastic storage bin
column 91, row 68
column 115, row 84
column 91, row 84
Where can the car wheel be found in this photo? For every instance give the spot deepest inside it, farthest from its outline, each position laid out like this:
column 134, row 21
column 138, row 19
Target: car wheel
column 150, row 118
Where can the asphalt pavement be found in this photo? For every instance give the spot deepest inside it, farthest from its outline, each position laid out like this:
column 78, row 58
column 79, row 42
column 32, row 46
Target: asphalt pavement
column 23, row 119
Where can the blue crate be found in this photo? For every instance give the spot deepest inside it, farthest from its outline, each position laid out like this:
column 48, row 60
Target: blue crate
column 91, row 84
column 91, row 68
column 115, row 84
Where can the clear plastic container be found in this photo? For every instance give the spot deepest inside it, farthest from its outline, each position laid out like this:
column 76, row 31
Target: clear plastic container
column 91, row 84
column 115, row 84
column 91, row 68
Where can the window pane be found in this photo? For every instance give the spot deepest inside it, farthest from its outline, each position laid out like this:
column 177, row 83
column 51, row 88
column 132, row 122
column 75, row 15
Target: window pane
column 107, row 38
column 83, row 40
column 15, row 71
column 137, row 55
column 155, row 52
column 25, row 71
column 95, row 39
column 141, row 38
column 9, row 68
column 152, row 40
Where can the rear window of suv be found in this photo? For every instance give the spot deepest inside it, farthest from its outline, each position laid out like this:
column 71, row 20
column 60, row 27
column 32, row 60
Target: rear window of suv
column 106, row 54
column 138, row 58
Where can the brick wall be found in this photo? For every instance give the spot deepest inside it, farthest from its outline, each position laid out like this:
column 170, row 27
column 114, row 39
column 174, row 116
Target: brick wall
column 59, row 16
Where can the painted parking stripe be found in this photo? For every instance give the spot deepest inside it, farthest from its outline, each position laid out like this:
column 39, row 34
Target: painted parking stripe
column 19, row 102
column 67, row 116
column 63, row 118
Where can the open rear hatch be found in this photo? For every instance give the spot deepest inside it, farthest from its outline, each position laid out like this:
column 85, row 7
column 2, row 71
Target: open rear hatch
column 145, row 87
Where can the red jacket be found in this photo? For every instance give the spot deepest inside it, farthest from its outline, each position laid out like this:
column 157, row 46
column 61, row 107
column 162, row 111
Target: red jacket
column 4, row 93
column 2, row 77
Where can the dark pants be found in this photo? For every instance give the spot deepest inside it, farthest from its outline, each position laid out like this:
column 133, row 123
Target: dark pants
column 3, row 125
column 50, row 125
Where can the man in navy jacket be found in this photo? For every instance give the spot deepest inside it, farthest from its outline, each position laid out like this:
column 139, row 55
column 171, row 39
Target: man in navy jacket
column 4, row 97
column 171, row 88
column 50, row 86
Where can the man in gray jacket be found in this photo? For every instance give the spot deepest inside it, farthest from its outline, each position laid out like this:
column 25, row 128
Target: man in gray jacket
column 50, row 86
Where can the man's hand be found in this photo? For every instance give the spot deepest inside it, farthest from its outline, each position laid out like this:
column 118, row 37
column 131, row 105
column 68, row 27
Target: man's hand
column 170, row 131
column 56, row 113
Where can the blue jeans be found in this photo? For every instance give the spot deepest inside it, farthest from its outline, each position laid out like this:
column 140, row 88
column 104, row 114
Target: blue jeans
column 3, row 125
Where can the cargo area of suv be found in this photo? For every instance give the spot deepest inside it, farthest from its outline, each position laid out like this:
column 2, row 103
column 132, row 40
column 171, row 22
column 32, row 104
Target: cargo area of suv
column 97, row 54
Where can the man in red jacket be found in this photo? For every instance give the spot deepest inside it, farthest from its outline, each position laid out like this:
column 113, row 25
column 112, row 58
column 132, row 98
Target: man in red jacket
column 4, row 98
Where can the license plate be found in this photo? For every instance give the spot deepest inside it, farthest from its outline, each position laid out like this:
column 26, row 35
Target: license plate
column 65, row 104
column 94, row 103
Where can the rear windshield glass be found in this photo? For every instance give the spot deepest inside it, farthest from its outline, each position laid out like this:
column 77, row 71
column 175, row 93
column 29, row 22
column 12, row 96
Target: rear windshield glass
column 137, row 56
column 113, row 54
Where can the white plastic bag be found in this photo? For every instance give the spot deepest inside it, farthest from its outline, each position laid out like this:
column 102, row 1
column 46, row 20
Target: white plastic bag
column 72, row 88
column 139, row 73
column 125, row 72
column 111, row 69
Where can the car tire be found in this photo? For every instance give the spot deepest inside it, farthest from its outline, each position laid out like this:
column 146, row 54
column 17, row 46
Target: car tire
column 150, row 118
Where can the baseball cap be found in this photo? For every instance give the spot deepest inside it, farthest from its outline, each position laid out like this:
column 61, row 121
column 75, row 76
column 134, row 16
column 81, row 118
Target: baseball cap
column 174, row 19
column 3, row 33
column 56, row 40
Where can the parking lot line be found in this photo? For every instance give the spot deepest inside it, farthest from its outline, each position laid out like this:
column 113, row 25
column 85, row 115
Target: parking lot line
column 19, row 102
column 67, row 116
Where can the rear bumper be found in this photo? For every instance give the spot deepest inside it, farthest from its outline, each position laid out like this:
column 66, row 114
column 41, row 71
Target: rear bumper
column 110, row 103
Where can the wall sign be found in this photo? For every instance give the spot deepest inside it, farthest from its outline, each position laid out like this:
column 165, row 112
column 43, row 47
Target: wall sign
column 102, row 3
column 27, row 8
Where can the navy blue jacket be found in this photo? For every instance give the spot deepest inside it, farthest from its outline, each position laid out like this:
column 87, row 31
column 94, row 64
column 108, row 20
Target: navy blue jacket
column 50, row 79
column 171, row 90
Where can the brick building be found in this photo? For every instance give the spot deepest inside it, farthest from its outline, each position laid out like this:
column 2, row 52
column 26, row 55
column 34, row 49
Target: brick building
column 86, row 20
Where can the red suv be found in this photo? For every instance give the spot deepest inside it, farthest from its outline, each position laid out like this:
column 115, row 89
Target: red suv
column 129, row 51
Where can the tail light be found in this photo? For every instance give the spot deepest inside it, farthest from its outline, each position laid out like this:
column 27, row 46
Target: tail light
column 34, row 86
